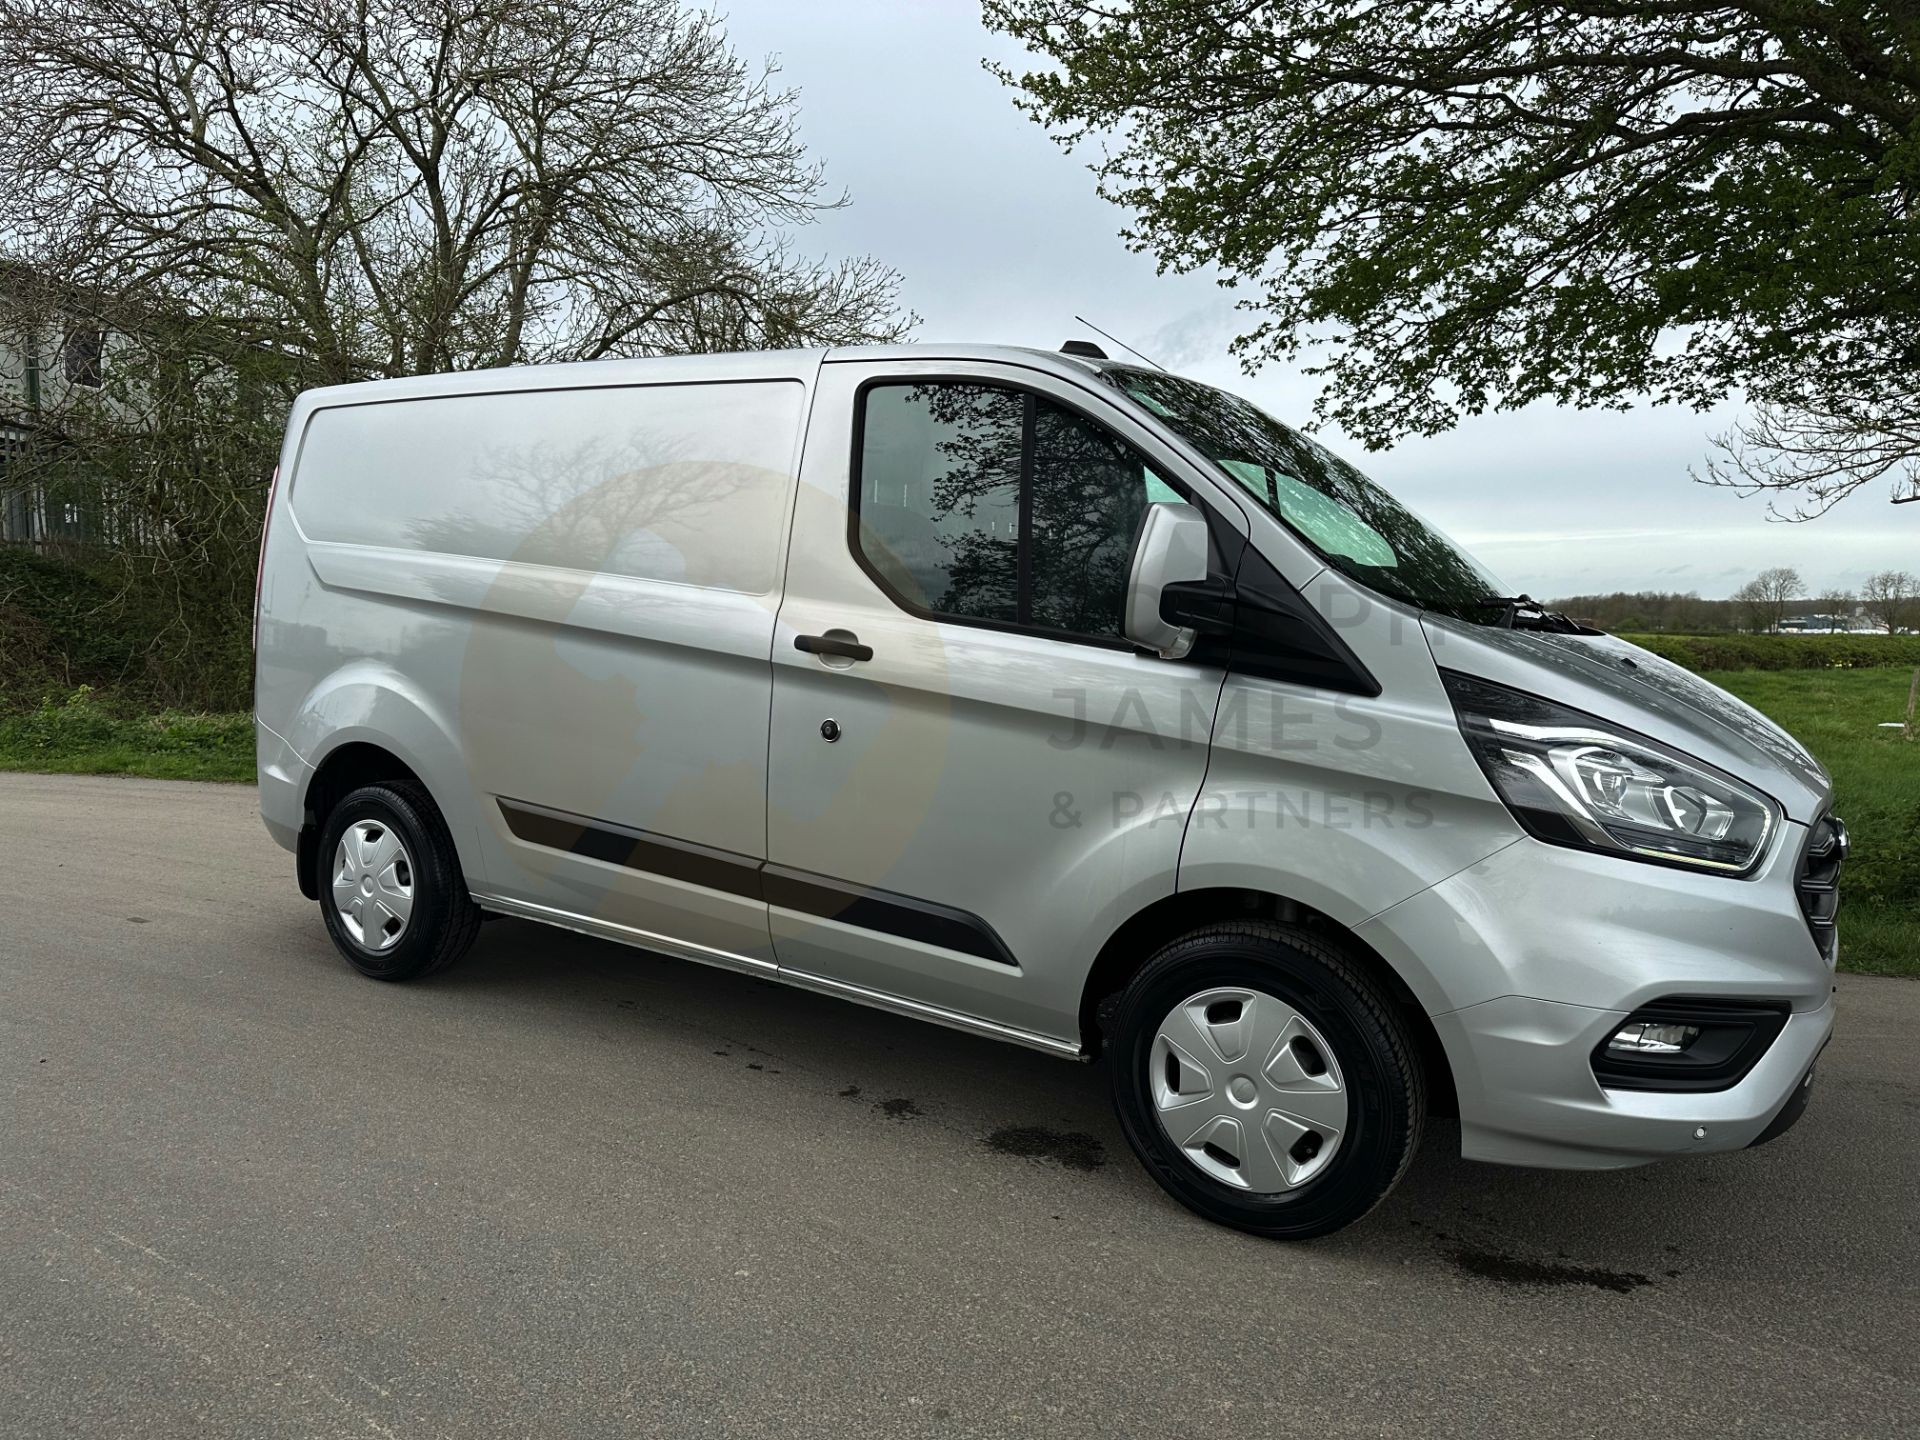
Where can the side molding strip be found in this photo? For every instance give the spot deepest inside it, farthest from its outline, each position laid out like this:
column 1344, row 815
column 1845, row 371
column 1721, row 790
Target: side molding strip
column 936, row 1014
column 927, row 921
column 702, row 865
column 803, row 891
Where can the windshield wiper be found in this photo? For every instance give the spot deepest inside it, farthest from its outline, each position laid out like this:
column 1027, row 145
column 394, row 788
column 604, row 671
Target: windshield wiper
column 1523, row 612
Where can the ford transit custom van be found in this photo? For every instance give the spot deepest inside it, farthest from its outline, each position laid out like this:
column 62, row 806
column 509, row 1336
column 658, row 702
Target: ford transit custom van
column 1065, row 702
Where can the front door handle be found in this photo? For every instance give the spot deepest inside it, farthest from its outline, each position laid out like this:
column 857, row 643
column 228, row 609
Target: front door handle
column 835, row 642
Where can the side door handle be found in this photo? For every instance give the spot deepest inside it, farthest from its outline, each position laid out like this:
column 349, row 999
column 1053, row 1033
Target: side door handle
column 835, row 642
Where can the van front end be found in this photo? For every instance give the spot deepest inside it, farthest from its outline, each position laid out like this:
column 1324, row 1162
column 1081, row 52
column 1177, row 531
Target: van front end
column 1629, row 1013
column 1648, row 971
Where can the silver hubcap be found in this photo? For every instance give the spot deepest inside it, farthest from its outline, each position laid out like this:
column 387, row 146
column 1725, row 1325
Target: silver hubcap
column 1247, row 1089
column 373, row 885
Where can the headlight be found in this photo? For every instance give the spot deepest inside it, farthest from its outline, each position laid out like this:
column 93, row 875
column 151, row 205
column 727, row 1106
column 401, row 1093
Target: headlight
column 1573, row 780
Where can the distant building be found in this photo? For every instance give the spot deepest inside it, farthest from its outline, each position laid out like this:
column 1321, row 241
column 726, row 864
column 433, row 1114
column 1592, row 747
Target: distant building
column 1856, row 623
column 56, row 357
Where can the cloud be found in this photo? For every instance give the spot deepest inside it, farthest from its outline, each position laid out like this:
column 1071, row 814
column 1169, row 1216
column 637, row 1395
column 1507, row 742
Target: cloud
column 1195, row 338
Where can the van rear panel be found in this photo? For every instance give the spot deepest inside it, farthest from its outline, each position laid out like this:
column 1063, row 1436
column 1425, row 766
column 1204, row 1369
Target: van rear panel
column 564, row 593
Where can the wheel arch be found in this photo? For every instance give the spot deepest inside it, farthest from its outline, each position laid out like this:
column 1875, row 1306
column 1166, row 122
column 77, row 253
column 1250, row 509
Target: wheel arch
column 368, row 721
column 345, row 769
column 1166, row 919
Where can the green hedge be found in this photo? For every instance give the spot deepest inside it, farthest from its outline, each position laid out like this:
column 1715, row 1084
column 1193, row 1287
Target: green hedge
column 144, row 638
column 1783, row 652
column 54, row 630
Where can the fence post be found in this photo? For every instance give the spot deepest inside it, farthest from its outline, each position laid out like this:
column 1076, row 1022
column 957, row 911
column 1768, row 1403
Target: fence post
column 1913, row 695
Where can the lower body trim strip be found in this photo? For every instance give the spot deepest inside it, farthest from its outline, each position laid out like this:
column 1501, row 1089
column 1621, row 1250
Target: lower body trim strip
column 799, row 979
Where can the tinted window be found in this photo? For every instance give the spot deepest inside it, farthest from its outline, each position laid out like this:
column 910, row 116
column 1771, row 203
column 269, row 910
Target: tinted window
column 944, row 469
column 1359, row 528
column 1089, row 492
column 940, row 495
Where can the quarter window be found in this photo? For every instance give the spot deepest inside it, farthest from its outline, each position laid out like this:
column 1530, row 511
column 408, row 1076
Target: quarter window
column 979, row 502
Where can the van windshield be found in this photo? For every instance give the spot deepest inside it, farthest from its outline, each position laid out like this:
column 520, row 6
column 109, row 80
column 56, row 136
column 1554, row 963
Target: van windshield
column 1357, row 527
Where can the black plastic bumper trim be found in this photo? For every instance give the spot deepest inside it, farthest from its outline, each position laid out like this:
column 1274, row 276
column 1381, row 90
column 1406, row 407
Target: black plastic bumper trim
column 1788, row 1115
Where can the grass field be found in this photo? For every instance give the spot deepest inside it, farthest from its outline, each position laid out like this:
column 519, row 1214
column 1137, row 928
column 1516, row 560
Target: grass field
column 1876, row 776
column 1876, row 783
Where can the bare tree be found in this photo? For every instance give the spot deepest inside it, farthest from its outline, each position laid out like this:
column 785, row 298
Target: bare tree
column 386, row 187
column 1835, row 603
column 1811, row 440
column 1889, row 598
column 1767, row 595
column 252, row 198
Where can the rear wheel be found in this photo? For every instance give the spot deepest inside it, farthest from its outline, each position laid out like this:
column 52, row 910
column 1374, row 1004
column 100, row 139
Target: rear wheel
column 1265, row 1081
column 392, row 895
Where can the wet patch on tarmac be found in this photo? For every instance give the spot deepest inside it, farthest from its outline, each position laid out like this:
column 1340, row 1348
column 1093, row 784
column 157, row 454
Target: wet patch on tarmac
column 1073, row 1149
column 1511, row 1270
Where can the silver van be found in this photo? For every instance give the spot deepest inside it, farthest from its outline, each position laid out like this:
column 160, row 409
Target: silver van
column 1061, row 701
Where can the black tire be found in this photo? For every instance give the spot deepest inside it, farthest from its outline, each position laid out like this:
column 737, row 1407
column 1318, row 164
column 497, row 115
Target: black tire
column 444, row 919
column 1378, row 1065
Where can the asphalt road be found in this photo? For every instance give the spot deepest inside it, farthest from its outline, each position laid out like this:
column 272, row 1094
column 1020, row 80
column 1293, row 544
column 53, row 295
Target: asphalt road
column 570, row 1189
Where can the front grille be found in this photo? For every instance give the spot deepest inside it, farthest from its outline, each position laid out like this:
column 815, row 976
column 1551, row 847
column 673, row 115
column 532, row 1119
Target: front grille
column 1819, row 880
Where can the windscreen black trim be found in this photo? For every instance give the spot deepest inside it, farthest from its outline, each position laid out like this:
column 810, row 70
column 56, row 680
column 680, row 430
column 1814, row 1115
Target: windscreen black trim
column 908, row 917
column 1278, row 635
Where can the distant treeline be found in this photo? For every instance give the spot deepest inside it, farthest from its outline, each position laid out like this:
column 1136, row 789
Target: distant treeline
column 1655, row 611
column 1658, row 612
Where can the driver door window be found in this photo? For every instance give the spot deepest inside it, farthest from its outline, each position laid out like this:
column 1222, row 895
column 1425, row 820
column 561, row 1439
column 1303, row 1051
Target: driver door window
column 986, row 504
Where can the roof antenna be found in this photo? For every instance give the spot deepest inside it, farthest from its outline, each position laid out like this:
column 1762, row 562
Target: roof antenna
column 1121, row 343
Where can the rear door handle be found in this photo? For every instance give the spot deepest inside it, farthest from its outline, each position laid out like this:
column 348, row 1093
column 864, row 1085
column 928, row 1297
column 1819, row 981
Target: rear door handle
column 839, row 643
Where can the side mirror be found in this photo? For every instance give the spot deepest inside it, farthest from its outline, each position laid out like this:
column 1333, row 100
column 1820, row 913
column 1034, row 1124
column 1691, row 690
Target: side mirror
column 1171, row 550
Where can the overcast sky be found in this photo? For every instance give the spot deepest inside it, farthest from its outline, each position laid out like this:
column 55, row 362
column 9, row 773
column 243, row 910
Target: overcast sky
column 1000, row 238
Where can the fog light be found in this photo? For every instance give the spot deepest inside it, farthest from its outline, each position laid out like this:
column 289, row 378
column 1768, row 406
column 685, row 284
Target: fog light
column 1646, row 1037
column 1687, row 1043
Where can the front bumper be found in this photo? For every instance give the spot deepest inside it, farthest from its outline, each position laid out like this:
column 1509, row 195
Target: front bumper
column 1529, row 960
column 1529, row 1096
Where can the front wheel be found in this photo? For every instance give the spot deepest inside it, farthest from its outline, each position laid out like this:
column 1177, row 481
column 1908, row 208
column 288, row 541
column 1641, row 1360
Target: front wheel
column 393, row 897
column 1265, row 1080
